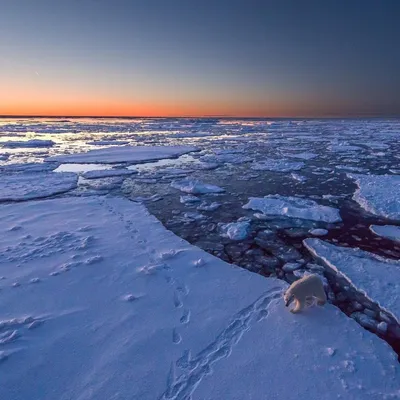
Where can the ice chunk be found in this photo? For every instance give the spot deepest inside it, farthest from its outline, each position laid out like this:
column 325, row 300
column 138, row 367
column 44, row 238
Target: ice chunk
column 277, row 165
column 298, row 177
column 195, row 187
column 388, row 231
column 376, row 277
column 128, row 154
column 27, row 143
column 303, row 156
column 235, row 230
column 204, row 206
column 189, row 199
column 318, row 232
column 108, row 173
column 378, row 194
column 18, row 187
column 293, row 207
column 108, row 142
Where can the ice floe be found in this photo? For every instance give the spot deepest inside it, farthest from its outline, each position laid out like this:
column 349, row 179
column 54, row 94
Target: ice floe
column 387, row 231
column 195, row 187
column 126, row 154
column 19, row 187
column 135, row 322
column 303, row 156
column 376, row 277
column 378, row 194
column 235, row 230
column 107, row 173
column 27, row 143
column 277, row 165
column 293, row 207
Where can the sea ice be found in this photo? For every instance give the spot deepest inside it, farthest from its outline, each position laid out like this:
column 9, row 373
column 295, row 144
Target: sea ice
column 293, row 207
column 108, row 173
column 378, row 194
column 19, row 187
column 27, row 143
column 388, row 231
column 303, row 156
column 235, row 230
column 277, row 165
column 377, row 277
column 126, row 154
column 195, row 187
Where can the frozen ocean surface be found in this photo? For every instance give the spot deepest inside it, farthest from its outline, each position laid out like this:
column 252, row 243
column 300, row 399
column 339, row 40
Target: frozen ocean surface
column 129, row 267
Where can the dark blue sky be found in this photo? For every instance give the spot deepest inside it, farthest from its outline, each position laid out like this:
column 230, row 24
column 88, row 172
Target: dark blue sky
column 175, row 57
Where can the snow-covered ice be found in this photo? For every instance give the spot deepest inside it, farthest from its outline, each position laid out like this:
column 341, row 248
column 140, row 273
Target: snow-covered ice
column 236, row 230
column 388, row 231
column 21, row 187
column 378, row 278
column 195, row 187
column 188, row 325
column 127, row 154
column 107, row 173
column 293, row 207
column 27, row 143
column 378, row 194
column 319, row 232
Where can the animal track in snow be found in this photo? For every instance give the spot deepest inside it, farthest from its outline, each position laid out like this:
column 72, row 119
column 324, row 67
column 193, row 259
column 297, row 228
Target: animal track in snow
column 185, row 317
column 195, row 369
column 176, row 337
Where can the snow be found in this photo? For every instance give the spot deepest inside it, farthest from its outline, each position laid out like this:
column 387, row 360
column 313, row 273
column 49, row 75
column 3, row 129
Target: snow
column 388, row 231
column 235, row 230
column 195, row 187
column 20, row 187
column 27, row 143
column 378, row 194
column 293, row 207
column 277, row 165
column 378, row 278
column 126, row 310
column 127, row 154
column 107, row 173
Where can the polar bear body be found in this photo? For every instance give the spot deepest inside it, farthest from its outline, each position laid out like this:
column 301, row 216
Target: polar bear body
column 302, row 290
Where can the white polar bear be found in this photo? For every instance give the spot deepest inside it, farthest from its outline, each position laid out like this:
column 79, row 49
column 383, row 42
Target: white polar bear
column 303, row 290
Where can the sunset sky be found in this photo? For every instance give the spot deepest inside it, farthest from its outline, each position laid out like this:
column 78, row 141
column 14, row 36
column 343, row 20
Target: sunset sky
column 200, row 58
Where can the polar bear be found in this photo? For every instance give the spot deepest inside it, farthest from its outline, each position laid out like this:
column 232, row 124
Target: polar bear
column 303, row 291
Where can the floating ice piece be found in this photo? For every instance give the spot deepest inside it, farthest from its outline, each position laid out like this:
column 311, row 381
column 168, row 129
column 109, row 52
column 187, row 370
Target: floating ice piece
column 227, row 158
column 28, row 167
column 235, row 230
column 318, row 232
column 19, row 187
column 343, row 147
column 204, row 206
column 195, row 187
column 108, row 173
column 189, row 199
column 27, row 143
column 376, row 277
column 298, row 177
column 388, row 231
column 293, row 207
column 108, row 142
column 277, row 165
column 351, row 168
column 378, row 194
column 128, row 154
column 303, row 156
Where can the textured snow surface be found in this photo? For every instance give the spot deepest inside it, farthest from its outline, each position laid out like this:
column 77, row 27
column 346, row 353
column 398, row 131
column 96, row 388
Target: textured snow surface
column 378, row 194
column 107, row 304
column 19, row 187
column 195, row 187
column 293, row 207
column 129, row 154
column 388, row 231
column 378, row 278
column 277, row 165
